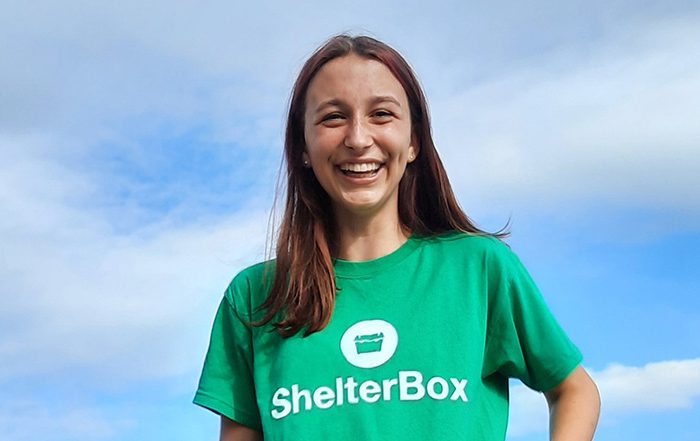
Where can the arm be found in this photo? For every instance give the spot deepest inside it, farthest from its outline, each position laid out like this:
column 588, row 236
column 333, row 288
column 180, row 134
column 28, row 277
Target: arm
column 232, row 431
column 574, row 407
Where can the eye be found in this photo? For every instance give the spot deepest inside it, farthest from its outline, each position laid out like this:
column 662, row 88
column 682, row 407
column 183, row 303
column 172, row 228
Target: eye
column 332, row 117
column 383, row 114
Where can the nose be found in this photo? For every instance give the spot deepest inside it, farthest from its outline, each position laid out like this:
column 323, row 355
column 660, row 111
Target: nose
column 358, row 135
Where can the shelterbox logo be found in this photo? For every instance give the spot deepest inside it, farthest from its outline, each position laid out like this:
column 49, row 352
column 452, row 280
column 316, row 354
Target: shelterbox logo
column 368, row 344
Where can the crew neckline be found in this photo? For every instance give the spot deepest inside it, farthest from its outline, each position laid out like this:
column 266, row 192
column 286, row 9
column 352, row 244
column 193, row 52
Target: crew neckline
column 350, row 269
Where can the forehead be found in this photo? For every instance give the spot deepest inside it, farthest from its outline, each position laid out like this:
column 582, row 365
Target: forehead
column 353, row 78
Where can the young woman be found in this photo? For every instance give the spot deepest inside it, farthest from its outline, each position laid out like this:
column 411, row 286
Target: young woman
column 386, row 315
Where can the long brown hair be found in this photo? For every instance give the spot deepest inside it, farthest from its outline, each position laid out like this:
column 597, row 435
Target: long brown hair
column 304, row 288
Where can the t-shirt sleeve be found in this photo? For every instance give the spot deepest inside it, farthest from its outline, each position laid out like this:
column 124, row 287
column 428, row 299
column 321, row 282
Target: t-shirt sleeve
column 226, row 384
column 524, row 340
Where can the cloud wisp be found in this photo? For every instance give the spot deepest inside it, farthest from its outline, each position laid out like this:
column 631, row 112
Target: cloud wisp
column 625, row 390
column 78, row 294
column 28, row 420
column 583, row 125
column 610, row 125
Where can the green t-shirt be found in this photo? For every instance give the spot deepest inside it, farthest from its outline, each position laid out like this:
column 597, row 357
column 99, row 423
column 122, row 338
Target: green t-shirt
column 420, row 346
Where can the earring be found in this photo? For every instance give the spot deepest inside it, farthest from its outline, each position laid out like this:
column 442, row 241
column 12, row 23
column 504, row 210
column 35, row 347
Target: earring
column 306, row 163
column 411, row 156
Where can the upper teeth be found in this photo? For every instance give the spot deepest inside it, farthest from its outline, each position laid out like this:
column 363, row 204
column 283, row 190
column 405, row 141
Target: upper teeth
column 360, row 168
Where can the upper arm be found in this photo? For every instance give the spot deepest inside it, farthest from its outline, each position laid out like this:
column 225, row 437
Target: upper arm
column 577, row 382
column 574, row 407
column 233, row 431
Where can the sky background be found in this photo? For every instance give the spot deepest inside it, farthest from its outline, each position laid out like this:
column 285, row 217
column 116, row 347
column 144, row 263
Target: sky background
column 140, row 146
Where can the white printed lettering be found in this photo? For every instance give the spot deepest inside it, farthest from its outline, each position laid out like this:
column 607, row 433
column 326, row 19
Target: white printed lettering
column 351, row 386
column 405, row 385
column 279, row 401
column 386, row 386
column 297, row 395
column 460, row 390
column 444, row 388
column 409, row 383
column 324, row 397
column 339, row 390
column 370, row 391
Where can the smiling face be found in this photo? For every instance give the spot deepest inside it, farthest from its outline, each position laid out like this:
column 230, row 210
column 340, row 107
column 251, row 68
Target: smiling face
column 358, row 135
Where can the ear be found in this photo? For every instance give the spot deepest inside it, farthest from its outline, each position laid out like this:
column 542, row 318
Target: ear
column 412, row 153
column 305, row 159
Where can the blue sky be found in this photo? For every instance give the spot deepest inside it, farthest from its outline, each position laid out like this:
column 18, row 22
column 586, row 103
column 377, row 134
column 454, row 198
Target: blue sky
column 141, row 144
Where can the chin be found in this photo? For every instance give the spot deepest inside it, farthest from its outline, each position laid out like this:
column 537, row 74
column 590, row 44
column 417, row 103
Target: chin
column 362, row 207
column 364, row 202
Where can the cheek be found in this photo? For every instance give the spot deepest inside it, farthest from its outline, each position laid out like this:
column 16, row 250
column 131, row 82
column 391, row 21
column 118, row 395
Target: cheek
column 397, row 136
column 313, row 137
column 321, row 142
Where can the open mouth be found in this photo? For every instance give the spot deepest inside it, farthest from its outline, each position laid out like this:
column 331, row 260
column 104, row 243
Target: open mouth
column 362, row 170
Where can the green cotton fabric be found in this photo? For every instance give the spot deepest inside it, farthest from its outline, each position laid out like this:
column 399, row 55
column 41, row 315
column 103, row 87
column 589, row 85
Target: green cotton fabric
column 421, row 345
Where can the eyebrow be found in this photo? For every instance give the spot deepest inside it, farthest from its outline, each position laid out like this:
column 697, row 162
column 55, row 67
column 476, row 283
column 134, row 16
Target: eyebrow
column 374, row 101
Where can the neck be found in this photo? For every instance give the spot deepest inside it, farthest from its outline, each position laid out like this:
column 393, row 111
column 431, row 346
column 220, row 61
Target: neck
column 368, row 238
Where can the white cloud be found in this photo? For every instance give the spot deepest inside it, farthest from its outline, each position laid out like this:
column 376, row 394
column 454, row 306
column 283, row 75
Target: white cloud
column 665, row 385
column 613, row 124
column 624, row 390
column 77, row 294
column 24, row 420
column 528, row 412
column 608, row 121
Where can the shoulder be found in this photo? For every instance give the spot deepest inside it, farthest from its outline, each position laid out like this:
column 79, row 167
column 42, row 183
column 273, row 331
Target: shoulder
column 476, row 254
column 468, row 245
column 249, row 287
column 254, row 274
